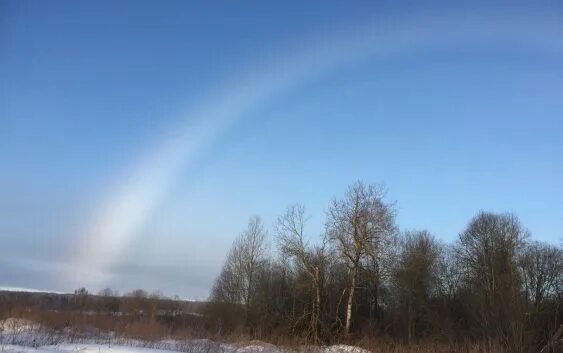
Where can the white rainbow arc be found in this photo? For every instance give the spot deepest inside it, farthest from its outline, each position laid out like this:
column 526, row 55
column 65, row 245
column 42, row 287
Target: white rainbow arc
column 114, row 226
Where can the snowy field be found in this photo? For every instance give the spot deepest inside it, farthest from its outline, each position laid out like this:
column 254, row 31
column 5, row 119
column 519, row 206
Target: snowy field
column 23, row 336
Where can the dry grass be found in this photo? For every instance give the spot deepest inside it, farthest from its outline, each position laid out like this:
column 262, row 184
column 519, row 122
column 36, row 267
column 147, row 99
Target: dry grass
column 81, row 327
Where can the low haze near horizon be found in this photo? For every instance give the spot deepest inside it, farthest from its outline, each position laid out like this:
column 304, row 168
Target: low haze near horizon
column 137, row 138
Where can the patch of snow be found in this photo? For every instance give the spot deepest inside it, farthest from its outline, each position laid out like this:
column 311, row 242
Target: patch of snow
column 12, row 325
column 25, row 336
column 167, row 346
column 343, row 348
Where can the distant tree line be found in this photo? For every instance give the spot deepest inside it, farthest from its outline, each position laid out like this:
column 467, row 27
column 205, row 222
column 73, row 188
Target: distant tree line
column 135, row 304
column 137, row 314
column 364, row 277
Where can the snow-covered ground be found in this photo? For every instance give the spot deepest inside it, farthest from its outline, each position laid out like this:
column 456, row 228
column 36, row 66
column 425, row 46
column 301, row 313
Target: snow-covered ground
column 23, row 336
column 219, row 348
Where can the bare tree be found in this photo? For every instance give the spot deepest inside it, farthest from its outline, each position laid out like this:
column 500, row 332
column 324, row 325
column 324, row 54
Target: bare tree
column 227, row 287
column 108, row 292
column 138, row 293
column 81, row 297
column 252, row 255
column 489, row 250
column 247, row 255
column 293, row 244
column 357, row 225
column 416, row 278
column 542, row 271
column 449, row 270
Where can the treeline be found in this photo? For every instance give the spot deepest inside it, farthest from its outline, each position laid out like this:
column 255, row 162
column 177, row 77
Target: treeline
column 137, row 314
column 136, row 302
column 363, row 277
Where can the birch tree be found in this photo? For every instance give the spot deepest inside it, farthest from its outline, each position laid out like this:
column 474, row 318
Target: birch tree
column 294, row 245
column 357, row 226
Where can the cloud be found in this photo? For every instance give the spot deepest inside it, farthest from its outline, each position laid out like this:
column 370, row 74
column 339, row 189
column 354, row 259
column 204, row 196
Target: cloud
column 18, row 273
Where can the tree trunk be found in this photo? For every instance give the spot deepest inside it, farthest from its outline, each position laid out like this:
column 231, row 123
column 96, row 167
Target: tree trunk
column 317, row 312
column 350, row 303
column 409, row 323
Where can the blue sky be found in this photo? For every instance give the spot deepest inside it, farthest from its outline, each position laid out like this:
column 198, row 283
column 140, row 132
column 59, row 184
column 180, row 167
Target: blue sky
column 106, row 106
